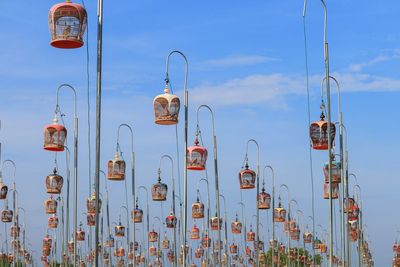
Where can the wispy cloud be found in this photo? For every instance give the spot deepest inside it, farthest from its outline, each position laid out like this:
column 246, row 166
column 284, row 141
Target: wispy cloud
column 237, row 60
column 358, row 67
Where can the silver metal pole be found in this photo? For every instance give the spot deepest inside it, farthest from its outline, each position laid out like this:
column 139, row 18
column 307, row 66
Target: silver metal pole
column 185, row 147
column 147, row 219
column 226, row 229
column 133, row 186
column 173, row 200
column 208, row 212
column 288, row 218
column 98, row 120
column 273, row 208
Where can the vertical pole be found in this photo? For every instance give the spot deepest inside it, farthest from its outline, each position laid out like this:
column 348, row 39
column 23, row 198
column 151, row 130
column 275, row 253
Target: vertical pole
column 98, row 120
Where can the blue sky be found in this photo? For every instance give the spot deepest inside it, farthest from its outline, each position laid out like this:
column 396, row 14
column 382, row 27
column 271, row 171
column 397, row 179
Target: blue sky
column 246, row 62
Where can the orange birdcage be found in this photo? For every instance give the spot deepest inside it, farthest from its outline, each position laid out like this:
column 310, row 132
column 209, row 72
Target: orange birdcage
column 50, row 205
column 198, row 209
column 52, row 221
column 195, row 233
column 116, row 168
column 54, row 136
column 335, row 191
column 159, row 190
column 153, row 236
column 3, row 189
column 137, row 214
column 279, row 213
column 319, row 133
column 119, row 230
column 196, row 156
column 54, row 183
column 236, row 226
column 247, row 178
column 6, row 215
column 250, row 236
column 214, row 223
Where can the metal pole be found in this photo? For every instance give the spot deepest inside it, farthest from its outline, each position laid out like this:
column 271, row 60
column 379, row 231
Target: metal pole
column 208, row 211
column 75, row 159
column 173, row 200
column 67, row 157
column 258, row 192
column 98, row 119
column 226, row 229
column 288, row 216
column 273, row 208
column 133, row 186
column 244, row 226
column 108, row 212
column 147, row 218
column 185, row 146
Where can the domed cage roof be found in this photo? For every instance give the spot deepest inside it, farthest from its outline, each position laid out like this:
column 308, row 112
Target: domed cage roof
column 50, row 205
column 319, row 134
column 54, row 183
column 196, row 157
column 247, row 178
column 335, row 190
column 250, row 236
column 67, row 24
column 54, row 136
column 233, row 248
column 307, row 237
column 116, row 168
column 166, row 108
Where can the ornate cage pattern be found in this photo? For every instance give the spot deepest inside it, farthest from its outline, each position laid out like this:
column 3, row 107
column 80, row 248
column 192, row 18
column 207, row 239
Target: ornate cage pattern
column 166, row 108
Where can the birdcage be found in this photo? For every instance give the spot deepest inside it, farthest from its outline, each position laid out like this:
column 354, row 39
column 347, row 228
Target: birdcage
column 153, row 236
column 335, row 191
column 152, row 250
column 307, row 237
column 247, row 178
column 166, row 108
column 250, row 236
column 214, row 223
column 110, row 242
column 319, row 133
column 206, row 241
column 171, row 255
column 91, row 219
column 171, row 220
column 50, row 205
column 3, row 190
column 54, row 183
column 80, row 234
column 198, row 209
column 335, row 171
column 52, row 222
column 165, row 243
column 14, row 231
column 54, row 136
column 279, row 213
column 199, row 252
column 116, row 168
column 264, row 200
column 67, row 24
column 159, row 191
column 195, row 233
column 137, row 214
column 236, row 226
column 119, row 230
column 91, row 204
column 196, row 157
column 6, row 215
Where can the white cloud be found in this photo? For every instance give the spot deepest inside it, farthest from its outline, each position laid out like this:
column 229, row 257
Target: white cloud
column 358, row 67
column 238, row 60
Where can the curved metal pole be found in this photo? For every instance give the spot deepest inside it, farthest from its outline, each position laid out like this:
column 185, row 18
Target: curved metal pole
column 226, row 229
column 208, row 211
column 127, row 227
column 75, row 159
column 258, row 192
column 215, row 171
column 273, row 208
column 173, row 199
column 244, row 227
column 107, row 210
column 133, row 184
column 185, row 143
column 147, row 217
column 288, row 216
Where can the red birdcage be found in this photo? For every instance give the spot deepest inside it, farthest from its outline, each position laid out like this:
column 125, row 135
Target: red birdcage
column 120, row 252
column 236, row 226
column 116, row 168
column 248, row 252
column 159, row 190
column 3, row 189
column 52, row 222
column 196, row 157
column 50, row 205
column 194, row 233
column 153, row 250
column 153, row 236
column 354, row 212
column 6, row 215
column 54, row 136
column 54, row 183
column 199, row 252
column 166, row 108
column 319, row 133
column 67, row 24
column 171, row 220
column 47, row 242
column 119, row 230
column 247, row 178
column 335, row 191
